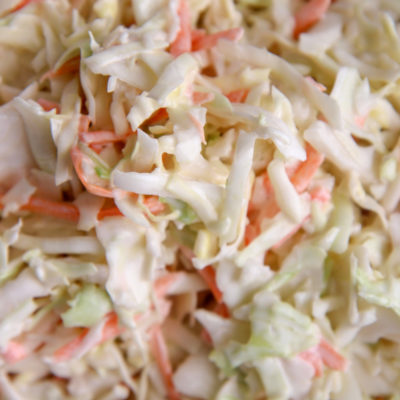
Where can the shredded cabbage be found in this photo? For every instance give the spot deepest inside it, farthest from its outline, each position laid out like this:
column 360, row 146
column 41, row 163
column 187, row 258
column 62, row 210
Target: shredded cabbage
column 200, row 199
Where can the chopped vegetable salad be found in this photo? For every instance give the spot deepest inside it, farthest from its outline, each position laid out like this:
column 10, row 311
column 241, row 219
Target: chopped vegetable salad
column 200, row 199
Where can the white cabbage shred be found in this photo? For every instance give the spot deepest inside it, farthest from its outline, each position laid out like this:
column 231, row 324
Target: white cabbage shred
column 200, row 199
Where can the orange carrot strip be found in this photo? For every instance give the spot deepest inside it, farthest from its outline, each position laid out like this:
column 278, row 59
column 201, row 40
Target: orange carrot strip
column 252, row 231
column 208, row 41
column 238, row 96
column 269, row 190
column 202, row 97
column 51, row 208
column 110, row 330
column 308, row 15
column 77, row 158
column 69, row 67
column 197, row 34
column 183, row 42
column 48, row 105
column 97, row 147
column 222, row 310
column 314, row 359
column 84, row 123
column 158, row 116
column 330, row 357
column 162, row 284
column 307, row 169
column 300, row 177
column 59, row 209
column 160, row 352
column 270, row 208
column 208, row 274
column 320, row 193
column 109, row 212
column 154, row 205
column 22, row 4
column 14, row 352
column 62, row 209
column 360, row 120
column 199, row 126
column 324, row 354
column 102, row 137
column 65, row 352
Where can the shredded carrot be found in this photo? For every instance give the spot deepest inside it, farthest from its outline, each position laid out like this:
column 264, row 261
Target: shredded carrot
column 202, row 97
column 208, row 274
column 360, row 120
column 197, row 34
column 301, row 177
column 70, row 212
column 77, row 157
column 308, row 15
column 238, row 96
column 269, row 190
column 162, row 284
column 183, row 42
column 199, row 126
column 154, row 205
column 84, row 123
column 48, row 105
column 110, row 330
column 71, row 66
column 320, row 193
column 324, row 354
column 158, row 116
column 307, row 169
column 109, row 212
column 15, row 351
column 160, row 353
column 222, row 310
column 65, row 352
column 59, row 209
column 63, row 210
column 270, row 208
column 102, row 137
column 252, row 231
column 22, row 4
column 207, row 42
column 98, row 147
column 330, row 357
column 314, row 359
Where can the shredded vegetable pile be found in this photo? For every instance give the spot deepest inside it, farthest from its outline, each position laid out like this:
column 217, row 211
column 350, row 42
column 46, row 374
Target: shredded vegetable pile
column 200, row 199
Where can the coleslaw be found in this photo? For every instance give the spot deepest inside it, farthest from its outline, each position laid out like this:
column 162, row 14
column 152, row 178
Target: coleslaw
column 200, row 199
